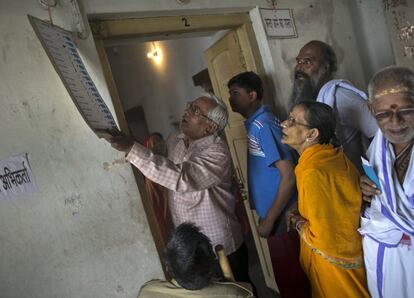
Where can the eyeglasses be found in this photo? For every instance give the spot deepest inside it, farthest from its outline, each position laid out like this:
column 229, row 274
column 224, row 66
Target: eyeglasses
column 406, row 114
column 194, row 110
column 290, row 121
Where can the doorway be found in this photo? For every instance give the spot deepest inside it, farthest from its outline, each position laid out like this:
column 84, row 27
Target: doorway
column 221, row 31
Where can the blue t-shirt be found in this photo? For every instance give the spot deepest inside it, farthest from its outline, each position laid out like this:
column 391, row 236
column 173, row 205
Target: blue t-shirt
column 264, row 149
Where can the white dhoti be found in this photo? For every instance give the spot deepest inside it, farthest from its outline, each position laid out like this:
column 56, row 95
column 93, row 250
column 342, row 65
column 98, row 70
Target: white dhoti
column 390, row 270
column 388, row 227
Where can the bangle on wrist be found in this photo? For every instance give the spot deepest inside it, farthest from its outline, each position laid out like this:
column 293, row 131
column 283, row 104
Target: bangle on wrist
column 298, row 223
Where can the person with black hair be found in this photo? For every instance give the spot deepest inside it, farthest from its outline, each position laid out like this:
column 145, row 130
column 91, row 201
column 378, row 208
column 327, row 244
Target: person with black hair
column 269, row 163
column 271, row 181
column 329, row 204
column 314, row 72
column 190, row 259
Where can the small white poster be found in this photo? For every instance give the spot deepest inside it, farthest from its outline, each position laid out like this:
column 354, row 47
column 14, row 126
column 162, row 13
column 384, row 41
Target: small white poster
column 16, row 178
column 278, row 23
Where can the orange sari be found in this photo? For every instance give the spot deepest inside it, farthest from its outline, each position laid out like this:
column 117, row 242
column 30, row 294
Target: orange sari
column 329, row 199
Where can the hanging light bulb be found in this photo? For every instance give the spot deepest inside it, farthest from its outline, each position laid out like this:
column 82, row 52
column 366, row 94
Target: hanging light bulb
column 155, row 54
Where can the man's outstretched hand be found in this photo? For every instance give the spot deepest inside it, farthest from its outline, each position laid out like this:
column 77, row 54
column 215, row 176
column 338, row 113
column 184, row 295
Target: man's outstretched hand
column 121, row 142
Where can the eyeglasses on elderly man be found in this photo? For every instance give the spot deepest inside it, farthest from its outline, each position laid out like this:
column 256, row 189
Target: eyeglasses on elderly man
column 406, row 114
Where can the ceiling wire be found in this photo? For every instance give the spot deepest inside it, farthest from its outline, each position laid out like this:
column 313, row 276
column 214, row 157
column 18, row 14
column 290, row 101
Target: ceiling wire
column 48, row 4
column 272, row 3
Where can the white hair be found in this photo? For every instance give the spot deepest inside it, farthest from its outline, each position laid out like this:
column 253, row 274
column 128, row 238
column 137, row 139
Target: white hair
column 218, row 114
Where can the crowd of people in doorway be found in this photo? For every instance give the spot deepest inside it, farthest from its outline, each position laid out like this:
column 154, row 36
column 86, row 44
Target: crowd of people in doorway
column 332, row 230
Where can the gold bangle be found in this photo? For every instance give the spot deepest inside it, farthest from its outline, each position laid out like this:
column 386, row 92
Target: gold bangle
column 298, row 222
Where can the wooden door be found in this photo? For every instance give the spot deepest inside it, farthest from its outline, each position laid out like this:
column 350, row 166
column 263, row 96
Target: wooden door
column 232, row 54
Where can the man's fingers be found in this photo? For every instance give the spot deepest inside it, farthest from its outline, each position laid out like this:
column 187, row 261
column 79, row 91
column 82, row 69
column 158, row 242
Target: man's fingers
column 121, row 142
column 366, row 182
column 368, row 188
column 367, row 199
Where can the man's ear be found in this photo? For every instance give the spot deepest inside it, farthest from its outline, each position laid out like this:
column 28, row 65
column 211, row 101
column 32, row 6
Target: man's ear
column 253, row 95
column 327, row 74
column 211, row 128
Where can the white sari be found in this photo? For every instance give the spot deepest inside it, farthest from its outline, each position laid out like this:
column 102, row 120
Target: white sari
column 388, row 226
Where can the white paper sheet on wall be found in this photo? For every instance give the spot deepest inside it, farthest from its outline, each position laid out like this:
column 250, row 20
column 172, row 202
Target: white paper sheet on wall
column 61, row 50
column 16, row 177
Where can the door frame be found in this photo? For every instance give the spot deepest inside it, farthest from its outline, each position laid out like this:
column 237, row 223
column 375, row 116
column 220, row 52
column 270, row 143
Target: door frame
column 104, row 29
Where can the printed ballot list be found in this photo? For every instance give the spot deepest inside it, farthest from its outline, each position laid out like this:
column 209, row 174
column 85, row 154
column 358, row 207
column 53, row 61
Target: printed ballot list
column 61, row 50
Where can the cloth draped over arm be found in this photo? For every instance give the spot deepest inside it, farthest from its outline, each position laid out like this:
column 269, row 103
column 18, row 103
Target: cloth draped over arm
column 330, row 201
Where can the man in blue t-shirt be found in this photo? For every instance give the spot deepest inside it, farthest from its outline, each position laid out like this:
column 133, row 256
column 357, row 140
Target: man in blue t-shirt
column 271, row 178
column 272, row 183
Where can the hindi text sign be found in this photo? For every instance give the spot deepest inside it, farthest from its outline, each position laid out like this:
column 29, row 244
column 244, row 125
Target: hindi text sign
column 16, row 178
column 278, row 23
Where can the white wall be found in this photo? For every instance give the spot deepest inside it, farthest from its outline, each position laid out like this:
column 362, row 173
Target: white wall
column 84, row 234
column 163, row 90
column 372, row 35
column 399, row 14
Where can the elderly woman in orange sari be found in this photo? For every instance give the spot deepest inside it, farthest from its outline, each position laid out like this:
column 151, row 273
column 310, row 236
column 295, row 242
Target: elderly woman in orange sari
column 329, row 203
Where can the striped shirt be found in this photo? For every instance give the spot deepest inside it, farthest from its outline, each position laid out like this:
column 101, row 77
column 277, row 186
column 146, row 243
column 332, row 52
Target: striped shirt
column 199, row 181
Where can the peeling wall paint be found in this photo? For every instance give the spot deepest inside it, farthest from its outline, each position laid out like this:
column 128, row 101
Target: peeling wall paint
column 400, row 18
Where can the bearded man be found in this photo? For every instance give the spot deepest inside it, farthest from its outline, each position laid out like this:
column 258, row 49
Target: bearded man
column 315, row 67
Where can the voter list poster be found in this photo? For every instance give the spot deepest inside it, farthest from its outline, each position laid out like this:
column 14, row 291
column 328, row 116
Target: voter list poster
column 62, row 52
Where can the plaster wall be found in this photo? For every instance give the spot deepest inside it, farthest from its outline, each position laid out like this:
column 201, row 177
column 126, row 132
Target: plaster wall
column 163, row 90
column 85, row 234
column 400, row 14
column 372, row 35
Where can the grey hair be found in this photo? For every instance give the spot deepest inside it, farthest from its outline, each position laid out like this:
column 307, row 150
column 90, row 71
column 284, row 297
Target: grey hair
column 397, row 76
column 218, row 114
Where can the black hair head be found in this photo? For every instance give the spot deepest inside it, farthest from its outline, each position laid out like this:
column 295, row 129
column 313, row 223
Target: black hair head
column 190, row 258
column 249, row 81
column 322, row 117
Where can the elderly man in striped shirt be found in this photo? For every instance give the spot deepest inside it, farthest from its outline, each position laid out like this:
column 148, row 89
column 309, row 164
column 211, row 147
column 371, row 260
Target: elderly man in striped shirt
column 197, row 172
